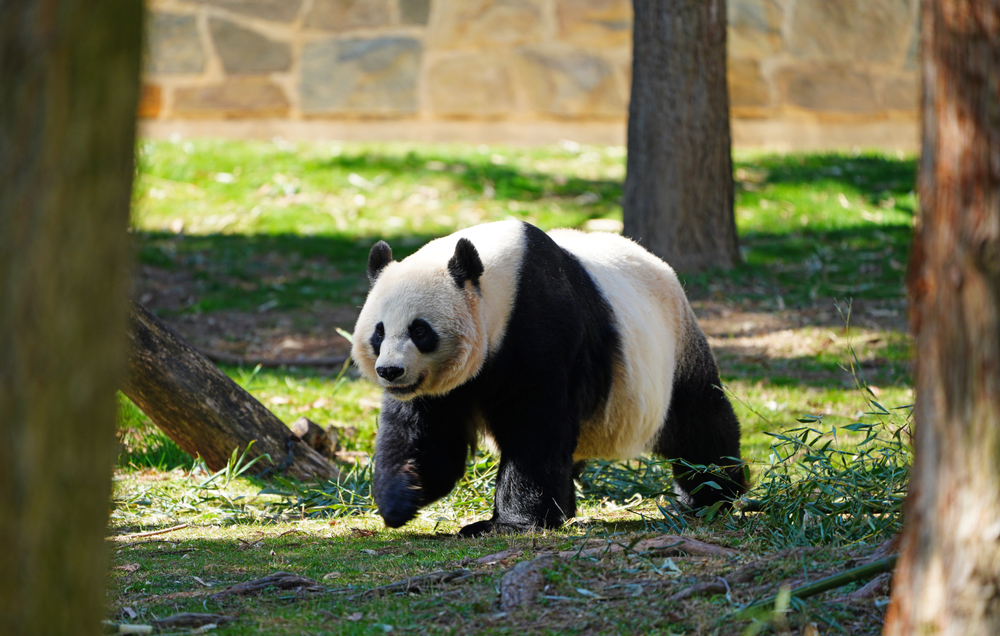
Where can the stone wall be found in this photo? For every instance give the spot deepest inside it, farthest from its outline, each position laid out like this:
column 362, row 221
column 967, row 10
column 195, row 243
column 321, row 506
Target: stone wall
column 478, row 70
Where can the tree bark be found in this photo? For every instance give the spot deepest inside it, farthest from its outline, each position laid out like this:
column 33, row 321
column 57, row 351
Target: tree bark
column 205, row 412
column 948, row 578
column 69, row 78
column 678, row 197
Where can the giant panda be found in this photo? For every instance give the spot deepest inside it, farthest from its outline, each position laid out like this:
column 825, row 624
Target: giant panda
column 554, row 348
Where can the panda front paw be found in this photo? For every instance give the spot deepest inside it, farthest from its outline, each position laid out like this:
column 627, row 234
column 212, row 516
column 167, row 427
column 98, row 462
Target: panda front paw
column 398, row 497
column 488, row 526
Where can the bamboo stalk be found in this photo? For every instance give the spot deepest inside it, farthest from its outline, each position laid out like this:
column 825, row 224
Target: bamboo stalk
column 859, row 573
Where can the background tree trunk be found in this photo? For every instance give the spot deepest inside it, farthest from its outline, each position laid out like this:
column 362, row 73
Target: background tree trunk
column 948, row 578
column 678, row 198
column 205, row 412
column 69, row 76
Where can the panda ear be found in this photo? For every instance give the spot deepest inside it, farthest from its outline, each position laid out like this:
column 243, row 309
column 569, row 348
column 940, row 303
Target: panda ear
column 465, row 264
column 378, row 258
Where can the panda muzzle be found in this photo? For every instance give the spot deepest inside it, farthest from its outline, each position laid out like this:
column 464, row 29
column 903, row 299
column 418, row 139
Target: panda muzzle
column 389, row 373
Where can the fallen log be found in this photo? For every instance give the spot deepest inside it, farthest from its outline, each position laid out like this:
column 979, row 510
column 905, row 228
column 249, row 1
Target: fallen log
column 205, row 412
column 222, row 357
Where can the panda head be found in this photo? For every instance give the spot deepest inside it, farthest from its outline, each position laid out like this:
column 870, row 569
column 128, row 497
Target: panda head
column 421, row 330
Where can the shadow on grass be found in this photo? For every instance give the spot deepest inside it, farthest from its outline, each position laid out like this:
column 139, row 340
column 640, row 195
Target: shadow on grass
column 270, row 271
column 874, row 175
column 803, row 268
column 288, row 271
column 507, row 182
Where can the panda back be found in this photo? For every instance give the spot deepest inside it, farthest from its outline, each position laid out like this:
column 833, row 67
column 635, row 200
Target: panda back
column 652, row 316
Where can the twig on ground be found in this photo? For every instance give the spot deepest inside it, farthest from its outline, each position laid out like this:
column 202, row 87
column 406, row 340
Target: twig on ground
column 749, row 571
column 415, row 584
column 280, row 580
column 490, row 559
column 246, row 545
column 869, row 590
column 888, row 547
column 190, row 620
column 139, row 535
column 112, row 627
column 717, row 586
column 830, row 583
column 667, row 544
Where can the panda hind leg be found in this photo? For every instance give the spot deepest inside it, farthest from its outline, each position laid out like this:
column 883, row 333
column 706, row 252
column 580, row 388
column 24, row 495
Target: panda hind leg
column 701, row 429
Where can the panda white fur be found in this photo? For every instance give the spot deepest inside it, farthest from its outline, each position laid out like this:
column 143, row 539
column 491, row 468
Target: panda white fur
column 556, row 347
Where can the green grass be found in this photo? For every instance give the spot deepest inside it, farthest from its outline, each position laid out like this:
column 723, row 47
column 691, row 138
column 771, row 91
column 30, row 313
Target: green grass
column 295, row 224
column 279, row 227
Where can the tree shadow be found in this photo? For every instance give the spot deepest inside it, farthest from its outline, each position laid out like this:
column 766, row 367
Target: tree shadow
column 874, row 175
column 475, row 175
column 806, row 268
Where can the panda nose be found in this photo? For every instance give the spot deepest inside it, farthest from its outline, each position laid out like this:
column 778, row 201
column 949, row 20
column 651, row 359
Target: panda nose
column 389, row 373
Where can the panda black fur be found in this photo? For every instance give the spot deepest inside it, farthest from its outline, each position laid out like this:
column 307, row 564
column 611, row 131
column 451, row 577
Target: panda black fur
column 555, row 347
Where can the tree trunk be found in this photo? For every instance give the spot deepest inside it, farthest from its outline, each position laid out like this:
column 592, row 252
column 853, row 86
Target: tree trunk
column 948, row 578
column 678, row 199
column 69, row 78
column 205, row 412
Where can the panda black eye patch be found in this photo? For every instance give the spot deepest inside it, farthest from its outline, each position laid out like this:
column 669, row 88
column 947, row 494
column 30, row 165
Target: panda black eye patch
column 377, row 338
column 423, row 335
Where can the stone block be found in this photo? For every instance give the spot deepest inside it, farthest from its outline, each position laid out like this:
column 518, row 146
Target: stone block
column 150, row 101
column 275, row 10
column 902, row 92
column 377, row 75
column 595, row 23
column 754, row 28
column 747, row 87
column 851, row 30
column 414, row 11
column 343, row 15
column 486, row 23
column 469, row 85
column 829, row 87
column 237, row 98
column 570, row 83
column 243, row 51
column 173, row 44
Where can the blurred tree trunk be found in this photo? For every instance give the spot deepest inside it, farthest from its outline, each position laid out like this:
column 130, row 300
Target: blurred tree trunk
column 205, row 412
column 69, row 78
column 678, row 198
column 948, row 577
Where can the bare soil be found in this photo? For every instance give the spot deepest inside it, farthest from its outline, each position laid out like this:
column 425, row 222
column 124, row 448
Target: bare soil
column 253, row 335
